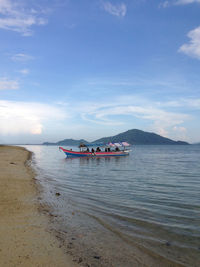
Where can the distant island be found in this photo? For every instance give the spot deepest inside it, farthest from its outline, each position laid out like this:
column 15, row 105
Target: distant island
column 67, row 142
column 133, row 137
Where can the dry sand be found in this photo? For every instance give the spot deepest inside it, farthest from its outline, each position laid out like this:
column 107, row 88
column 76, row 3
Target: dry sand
column 24, row 236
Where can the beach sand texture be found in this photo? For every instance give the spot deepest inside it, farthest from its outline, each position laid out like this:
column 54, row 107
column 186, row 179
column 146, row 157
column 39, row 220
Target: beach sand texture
column 24, row 236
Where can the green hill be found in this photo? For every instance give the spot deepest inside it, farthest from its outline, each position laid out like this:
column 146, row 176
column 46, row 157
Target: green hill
column 138, row 137
column 133, row 137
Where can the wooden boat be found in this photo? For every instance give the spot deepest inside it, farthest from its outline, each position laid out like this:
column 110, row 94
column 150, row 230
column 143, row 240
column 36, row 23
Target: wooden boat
column 86, row 153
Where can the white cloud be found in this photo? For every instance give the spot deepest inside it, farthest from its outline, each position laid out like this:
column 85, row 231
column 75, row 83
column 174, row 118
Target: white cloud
column 21, row 57
column 26, row 117
column 193, row 47
column 180, row 132
column 164, row 4
column 167, row 3
column 181, row 129
column 118, row 10
column 16, row 16
column 186, row 2
column 191, row 103
column 6, row 84
column 24, row 71
column 160, row 120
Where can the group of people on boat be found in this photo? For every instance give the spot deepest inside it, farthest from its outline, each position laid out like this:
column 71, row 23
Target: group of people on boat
column 107, row 149
column 92, row 150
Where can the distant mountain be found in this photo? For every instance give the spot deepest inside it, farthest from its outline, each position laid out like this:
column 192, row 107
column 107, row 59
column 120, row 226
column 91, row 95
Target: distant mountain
column 138, row 137
column 133, row 137
column 67, row 142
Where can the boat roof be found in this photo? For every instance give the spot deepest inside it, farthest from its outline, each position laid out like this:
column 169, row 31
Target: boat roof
column 91, row 144
column 119, row 144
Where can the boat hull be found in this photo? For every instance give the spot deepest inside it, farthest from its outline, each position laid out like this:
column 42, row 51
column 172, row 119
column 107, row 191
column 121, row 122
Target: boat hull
column 71, row 153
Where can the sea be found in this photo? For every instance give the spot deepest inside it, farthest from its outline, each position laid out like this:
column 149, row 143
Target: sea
column 138, row 210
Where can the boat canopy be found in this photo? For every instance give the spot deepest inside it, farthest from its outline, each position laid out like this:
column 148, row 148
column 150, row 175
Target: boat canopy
column 91, row 144
column 125, row 144
column 118, row 144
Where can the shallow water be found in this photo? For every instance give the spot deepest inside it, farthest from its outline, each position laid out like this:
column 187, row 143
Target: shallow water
column 149, row 199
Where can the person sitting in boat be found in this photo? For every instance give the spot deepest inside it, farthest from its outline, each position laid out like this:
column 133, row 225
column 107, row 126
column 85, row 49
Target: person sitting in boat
column 92, row 150
column 106, row 150
column 88, row 150
column 98, row 149
column 117, row 148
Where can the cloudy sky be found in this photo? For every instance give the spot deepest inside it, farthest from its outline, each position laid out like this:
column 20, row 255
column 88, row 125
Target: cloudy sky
column 88, row 69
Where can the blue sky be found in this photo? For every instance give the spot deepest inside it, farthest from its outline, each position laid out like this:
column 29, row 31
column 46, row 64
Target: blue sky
column 88, row 69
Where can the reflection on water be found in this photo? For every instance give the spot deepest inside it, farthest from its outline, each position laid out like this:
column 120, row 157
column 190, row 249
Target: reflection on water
column 150, row 197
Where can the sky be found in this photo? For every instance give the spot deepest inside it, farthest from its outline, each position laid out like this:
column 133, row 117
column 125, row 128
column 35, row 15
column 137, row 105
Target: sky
column 94, row 68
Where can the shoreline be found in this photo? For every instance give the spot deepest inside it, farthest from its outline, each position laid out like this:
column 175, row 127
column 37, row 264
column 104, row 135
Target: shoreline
column 26, row 239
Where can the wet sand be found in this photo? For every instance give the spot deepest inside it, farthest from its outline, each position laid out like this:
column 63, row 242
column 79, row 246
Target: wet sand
column 25, row 238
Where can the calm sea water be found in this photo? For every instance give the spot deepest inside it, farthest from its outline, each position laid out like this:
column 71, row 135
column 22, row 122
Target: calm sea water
column 149, row 200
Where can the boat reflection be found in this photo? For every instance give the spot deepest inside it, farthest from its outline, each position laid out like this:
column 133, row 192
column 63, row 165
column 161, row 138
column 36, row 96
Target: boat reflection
column 95, row 160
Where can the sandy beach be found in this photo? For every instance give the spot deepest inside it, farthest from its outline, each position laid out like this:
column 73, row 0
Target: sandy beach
column 25, row 238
